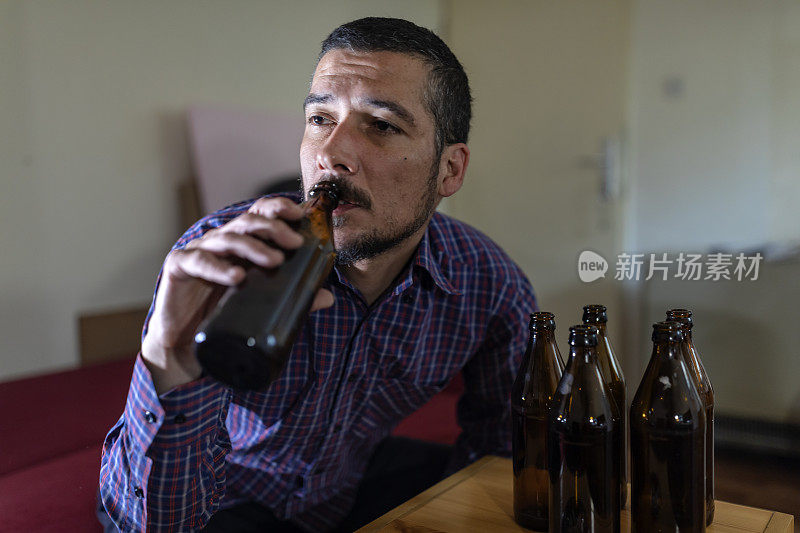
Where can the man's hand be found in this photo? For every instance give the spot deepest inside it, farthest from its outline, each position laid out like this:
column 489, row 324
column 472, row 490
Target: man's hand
column 195, row 278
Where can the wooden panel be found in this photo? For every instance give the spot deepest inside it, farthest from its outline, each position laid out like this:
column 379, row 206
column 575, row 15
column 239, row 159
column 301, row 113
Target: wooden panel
column 747, row 518
column 479, row 498
column 780, row 523
column 110, row 335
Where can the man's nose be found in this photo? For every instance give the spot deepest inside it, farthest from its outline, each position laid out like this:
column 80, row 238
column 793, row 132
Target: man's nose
column 338, row 154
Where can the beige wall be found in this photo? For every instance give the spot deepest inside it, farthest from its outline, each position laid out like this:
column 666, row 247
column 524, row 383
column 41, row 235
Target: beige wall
column 549, row 82
column 784, row 222
column 716, row 163
column 92, row 96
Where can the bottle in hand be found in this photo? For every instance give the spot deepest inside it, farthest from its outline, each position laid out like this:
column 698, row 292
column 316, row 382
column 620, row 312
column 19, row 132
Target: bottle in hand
column 533, row 389
column 611, row 370
column 668, row 424
column 247, row 339
column 583, row 444
column 703, row 384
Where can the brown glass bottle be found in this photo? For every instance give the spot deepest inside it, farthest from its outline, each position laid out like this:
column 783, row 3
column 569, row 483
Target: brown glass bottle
column 704, row 387
column 583, row 444
column 668, row 426
column 611, row 371
column 246, row 340
column 533, row 389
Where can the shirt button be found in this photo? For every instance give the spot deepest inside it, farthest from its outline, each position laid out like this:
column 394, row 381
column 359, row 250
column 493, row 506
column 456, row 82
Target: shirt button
column 138, row 492
column 351, row 378
column 337, row 428
column 407, row 298
column 150, row 417
column 180, row 418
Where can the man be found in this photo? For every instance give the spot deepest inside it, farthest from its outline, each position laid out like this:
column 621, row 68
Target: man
column 415, row 298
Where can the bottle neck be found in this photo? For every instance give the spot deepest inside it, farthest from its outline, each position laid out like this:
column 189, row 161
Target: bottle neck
column 542, row 335
column 667, row 350
column 687, row 337
column 583, row 354
column 686, row 324
column 319, row 212
column 601, row 326
column 321, row 202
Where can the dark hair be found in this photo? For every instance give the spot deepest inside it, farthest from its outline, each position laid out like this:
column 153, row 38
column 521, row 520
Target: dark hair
column 447, row 96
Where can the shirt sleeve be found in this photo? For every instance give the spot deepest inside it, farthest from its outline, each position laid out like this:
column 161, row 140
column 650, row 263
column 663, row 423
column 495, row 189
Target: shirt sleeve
column 163, row 464
column 483, row 410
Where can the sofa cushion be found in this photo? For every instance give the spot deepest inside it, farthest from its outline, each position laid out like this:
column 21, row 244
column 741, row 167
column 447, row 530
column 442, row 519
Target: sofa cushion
column 51, row 415
column 53, row 431
column 436, row 420
column 57, row 495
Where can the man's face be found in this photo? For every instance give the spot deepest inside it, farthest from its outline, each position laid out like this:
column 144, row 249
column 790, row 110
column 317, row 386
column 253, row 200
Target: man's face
column 367, row 129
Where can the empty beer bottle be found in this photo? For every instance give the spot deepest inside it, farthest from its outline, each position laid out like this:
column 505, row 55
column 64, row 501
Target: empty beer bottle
column 668, row 422
column 611, row 371
column 583, row 443
column 246, row 340
column 703, row 383
column 533, row 389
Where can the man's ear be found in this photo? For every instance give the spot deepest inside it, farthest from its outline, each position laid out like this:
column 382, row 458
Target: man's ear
column 453, row 165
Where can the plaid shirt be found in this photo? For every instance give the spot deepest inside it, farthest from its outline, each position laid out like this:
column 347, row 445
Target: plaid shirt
column 301, row 446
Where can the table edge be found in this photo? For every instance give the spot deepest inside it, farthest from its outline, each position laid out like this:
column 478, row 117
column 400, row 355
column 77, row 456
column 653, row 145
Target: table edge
column 778, row 522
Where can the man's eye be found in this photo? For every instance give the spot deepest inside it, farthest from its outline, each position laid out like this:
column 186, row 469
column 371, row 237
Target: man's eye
column 384, row 127
column 318, row 120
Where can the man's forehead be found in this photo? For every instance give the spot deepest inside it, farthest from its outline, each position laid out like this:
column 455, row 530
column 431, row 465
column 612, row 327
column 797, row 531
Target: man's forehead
column 383, row 68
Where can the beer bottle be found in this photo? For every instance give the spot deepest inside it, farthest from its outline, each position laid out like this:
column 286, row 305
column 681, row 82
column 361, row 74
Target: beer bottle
column 611, row 371
column 583, row 443
column 536, row 382
column 668, row 426
column 247, row 339
column 703, row 384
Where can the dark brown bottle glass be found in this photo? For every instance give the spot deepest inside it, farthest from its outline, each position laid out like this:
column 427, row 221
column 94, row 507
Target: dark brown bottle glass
column 583, row 444
column 703, row 384
column 668, row 426
column 611, row 371
column 246, row 340
column 533, row 389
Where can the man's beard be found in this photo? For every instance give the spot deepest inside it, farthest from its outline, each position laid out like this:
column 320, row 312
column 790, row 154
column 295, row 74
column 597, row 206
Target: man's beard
column 377, row 241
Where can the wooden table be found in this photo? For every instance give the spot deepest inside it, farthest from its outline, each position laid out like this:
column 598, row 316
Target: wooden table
column 479, row 498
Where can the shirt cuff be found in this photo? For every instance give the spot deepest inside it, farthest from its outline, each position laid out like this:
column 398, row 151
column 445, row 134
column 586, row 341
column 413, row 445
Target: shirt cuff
column 188, row 414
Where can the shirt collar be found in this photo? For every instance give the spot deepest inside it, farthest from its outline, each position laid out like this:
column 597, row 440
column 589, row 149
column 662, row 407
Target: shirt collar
column 433, row 262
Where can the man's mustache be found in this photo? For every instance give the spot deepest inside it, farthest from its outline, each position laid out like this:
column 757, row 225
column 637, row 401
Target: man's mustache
column 347, row 192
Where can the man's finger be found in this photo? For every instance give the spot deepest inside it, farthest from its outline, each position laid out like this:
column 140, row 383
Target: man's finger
column 244, row 246
column 207, row 266
column 277, row 208
column 275, row 230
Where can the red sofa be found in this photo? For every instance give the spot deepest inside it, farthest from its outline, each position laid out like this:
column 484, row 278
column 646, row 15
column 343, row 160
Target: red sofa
column 52, row 429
